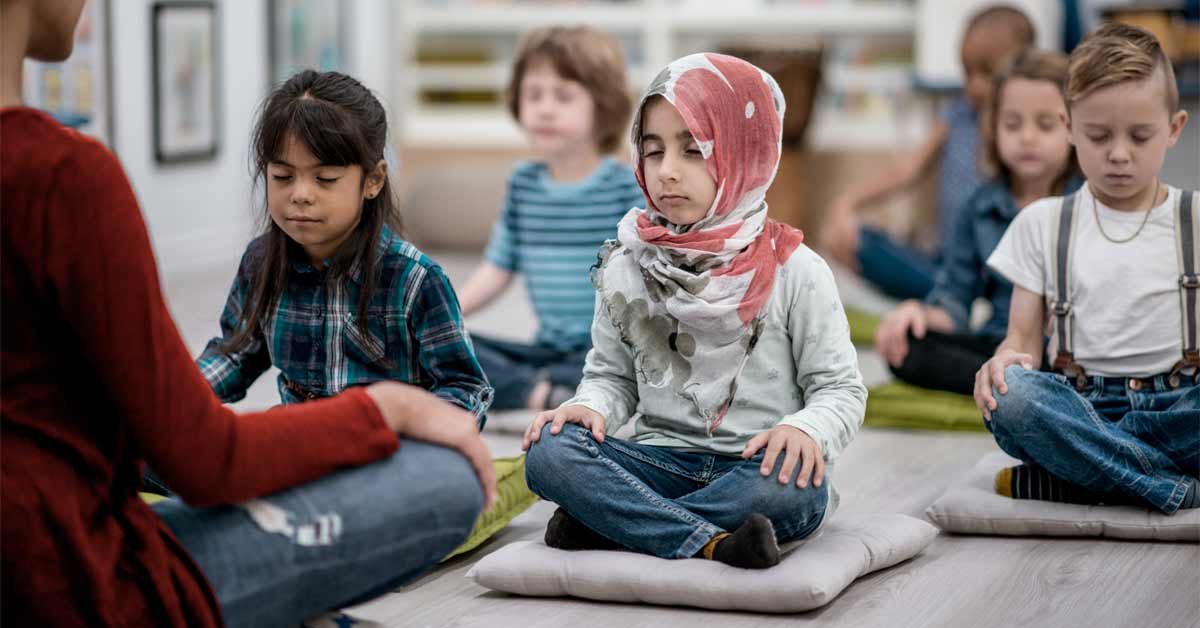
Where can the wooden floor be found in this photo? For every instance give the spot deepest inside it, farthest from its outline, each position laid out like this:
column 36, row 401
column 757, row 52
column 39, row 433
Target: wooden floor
column 957, row 582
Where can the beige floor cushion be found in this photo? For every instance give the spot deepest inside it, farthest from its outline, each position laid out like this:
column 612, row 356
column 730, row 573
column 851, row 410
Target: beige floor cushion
column 973, row 507
column 813, row 572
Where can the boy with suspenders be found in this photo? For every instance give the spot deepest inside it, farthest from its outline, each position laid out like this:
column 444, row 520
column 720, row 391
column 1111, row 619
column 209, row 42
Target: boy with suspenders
column 1112, row 275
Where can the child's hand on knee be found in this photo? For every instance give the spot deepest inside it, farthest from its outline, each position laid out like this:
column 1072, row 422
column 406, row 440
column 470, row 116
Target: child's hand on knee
column 797, row 446
column 582, row 415
column 992, row 374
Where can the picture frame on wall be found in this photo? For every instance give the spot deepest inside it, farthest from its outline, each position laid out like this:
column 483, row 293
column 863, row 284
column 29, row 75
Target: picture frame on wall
column 307, row 34
column 78, row 92
column 186, row 84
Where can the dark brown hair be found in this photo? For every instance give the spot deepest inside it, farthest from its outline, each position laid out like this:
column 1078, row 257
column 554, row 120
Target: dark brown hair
column 1011, row 19
column 342, row 124
column 1034, row 65
column 589, row 57
column 1116, row 53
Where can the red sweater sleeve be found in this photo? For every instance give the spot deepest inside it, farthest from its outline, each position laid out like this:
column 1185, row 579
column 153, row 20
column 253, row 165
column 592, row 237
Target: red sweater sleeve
column 100, row 269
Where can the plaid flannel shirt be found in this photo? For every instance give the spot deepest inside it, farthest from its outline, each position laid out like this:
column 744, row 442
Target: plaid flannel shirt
column 414, row 333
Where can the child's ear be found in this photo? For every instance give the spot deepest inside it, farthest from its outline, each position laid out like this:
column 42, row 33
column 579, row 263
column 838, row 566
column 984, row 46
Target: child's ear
column 375, row 180
column 1178, row 121
column 1065, row 118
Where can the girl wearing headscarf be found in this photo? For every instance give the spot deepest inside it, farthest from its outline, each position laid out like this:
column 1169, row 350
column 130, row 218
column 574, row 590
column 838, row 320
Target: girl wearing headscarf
column 718, row 332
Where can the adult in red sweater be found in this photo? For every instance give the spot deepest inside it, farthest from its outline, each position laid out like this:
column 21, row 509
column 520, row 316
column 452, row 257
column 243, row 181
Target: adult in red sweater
column 97, row 382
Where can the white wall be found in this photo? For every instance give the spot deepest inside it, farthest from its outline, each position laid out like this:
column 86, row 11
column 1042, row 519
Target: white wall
column 201, row 213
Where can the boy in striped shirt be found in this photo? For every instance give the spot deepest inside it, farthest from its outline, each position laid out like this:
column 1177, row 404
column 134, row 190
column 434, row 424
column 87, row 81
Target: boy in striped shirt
column 567, row 94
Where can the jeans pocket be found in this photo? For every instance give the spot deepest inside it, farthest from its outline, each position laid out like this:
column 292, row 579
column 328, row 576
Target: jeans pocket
column 1061, row 379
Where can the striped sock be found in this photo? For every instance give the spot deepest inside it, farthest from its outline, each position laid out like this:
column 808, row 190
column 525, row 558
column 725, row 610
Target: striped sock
column 1192, row 498
column 1029, row 482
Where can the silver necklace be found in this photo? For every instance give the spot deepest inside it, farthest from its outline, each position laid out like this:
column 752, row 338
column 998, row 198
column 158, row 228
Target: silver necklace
column 1145, row 219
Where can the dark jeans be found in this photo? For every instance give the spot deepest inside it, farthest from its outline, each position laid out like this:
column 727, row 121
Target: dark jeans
column 945, row 361
column 514, row 368
column 899, row 271
column 1110, row 438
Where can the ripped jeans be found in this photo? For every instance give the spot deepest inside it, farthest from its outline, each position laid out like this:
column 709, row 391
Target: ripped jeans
column 339, row 540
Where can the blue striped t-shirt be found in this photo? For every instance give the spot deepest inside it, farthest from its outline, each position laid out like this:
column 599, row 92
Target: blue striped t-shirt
column 550, row 232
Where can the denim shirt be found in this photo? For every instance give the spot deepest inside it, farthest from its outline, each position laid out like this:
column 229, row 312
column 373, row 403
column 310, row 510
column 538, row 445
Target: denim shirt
column 964, row 274
column 958, row 172
column 414, row 333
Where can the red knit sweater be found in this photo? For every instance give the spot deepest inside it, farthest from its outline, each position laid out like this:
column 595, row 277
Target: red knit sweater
column 96, row 380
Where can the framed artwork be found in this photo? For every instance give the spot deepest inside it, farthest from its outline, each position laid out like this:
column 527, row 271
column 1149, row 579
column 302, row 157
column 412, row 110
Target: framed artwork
column 307, row 34
column 77, row 92
column 186, row 88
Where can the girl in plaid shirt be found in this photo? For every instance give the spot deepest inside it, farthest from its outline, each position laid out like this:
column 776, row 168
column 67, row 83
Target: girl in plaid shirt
column 329, row 293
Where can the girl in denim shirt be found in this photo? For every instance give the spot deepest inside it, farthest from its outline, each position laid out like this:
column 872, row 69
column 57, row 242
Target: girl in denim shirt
column 930, row 343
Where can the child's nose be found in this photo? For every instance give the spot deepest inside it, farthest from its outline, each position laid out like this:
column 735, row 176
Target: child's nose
column 302, row 193
column 668, row 169
column 1119, row 152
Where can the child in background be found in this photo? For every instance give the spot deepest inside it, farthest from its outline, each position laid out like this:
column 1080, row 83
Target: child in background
column 330, row 294
column 992, row 36
column 719, row 328
column 568, row 94
column 1028, row 152
column 1112, row 270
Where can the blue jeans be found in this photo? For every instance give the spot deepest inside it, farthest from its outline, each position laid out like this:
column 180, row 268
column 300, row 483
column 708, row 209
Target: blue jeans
column 1108, row 439
column 514, row 368
column 663, row 501
column 899, row 271
column 342, row 539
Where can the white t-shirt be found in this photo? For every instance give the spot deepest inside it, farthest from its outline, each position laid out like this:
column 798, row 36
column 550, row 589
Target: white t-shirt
column 1125, row 297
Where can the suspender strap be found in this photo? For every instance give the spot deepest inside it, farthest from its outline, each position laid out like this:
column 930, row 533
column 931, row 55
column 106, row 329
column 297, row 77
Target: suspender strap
column 1064, row 359
column 1187, row 233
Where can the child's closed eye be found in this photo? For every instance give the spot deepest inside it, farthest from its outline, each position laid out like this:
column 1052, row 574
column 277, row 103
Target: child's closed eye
column 651, row 150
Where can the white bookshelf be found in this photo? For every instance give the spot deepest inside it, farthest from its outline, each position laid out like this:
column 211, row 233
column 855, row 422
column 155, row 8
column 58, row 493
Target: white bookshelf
column 656, row 32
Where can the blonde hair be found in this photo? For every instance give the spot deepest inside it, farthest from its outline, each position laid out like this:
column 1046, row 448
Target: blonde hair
column 1033, row 65
column 589, row 57
column 1118, row 53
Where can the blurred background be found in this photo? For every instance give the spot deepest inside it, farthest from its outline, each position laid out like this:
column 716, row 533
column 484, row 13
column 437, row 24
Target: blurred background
column 173, row 87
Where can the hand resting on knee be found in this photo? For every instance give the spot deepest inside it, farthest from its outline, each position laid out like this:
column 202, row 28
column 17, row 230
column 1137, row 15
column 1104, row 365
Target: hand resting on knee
column 416, row 413
column 582, row 415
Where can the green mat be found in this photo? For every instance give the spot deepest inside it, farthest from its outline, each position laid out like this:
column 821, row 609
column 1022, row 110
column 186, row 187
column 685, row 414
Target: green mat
column 513, row 497
column 151, row 498
column 862, row 326
column 904, row 406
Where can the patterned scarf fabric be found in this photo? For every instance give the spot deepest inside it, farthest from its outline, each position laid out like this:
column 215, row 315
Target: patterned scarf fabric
column 690, row 300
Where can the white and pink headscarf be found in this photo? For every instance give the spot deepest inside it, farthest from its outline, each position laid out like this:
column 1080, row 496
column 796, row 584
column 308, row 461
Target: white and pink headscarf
column 690, row 299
